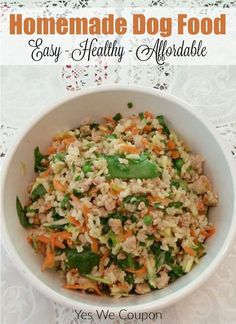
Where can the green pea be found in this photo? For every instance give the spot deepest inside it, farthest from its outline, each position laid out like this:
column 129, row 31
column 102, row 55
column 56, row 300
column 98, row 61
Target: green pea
column 147, row 219
column 87, row 167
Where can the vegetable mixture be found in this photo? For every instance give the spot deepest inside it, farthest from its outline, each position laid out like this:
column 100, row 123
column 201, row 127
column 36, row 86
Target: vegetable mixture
column 120, row 207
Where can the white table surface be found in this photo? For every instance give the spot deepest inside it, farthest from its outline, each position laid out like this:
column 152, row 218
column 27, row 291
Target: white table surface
column 211, row 90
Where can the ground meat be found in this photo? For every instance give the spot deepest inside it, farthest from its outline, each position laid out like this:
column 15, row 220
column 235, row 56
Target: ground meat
column 162, row 280
column 197, row 163
column 130, row 244
column 142, row 288
column 114, row 274
column 201, row 185
column 210, row 199
column 115, row 225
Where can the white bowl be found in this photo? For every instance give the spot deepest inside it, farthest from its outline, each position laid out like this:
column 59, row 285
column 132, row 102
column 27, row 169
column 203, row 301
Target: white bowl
column 96, row 103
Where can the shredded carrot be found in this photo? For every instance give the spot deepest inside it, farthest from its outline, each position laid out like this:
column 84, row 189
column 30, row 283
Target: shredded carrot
column 94, row 245
column 74, row 221
column 85, row 210
column 43, row 238
column 175, row 154
column 49, row 260
column 110, row 120
column 29, row 239
column 192, row 233
column 130, row 126
column 52, row 149
column 211, row 231
column 138, row 272
column 102, row 261
column 104, row 129
column 147, row 128
column 171, row 145
column 67, row 141
column 67, row 286
column 156, row 150
column 200, row 206
column 69, row 243
column 64, row 235
column 59, row 244
column 45, row 173
column 129, row 149
column 41, row 247
column 84, row 287
column 145, row 141
column 164, row 201
column 208, row 232
column 127, row 234
column 148, row 114
column 56, row 243
column 189, row 250
column 58, row 185
column 52, row 242
column 135, row 130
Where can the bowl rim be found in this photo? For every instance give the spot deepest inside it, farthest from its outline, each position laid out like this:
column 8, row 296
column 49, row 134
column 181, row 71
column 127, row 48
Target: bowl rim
column 149, row 306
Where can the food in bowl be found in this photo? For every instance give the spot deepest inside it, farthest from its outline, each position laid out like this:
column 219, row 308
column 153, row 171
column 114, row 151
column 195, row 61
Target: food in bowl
column 119, row 207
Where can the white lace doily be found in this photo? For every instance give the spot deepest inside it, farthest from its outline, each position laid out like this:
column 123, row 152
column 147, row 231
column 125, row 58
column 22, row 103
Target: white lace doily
column 211, row 90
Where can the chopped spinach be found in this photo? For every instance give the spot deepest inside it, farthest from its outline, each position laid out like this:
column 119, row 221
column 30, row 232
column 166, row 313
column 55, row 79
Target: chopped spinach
column 65, row 203
column 140, row 168
column 136, row 199
column 165, row 257
column 133, row 219
column 112, row 240
column 176, row 271
column 111, row 136
column 162, row 122
column 130, row 105
column 78, row 193
column 179, row 183
column 57, row 224
column 94, row 126
column 178, row 163
column 38, row 192
column 128, row 262
column 60, row 156
column 161, row 256
column 141, row 116
column 116, row 215
column 38, row 158
column 55, row 215
column 129, row 277
column 104, row 222
column 84, row 261
column 117, row 117
column 175, row 204
column 21, row 212
column 158, row 206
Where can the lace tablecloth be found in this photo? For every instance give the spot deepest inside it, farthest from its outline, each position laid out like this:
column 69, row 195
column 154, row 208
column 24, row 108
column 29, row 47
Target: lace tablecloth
column 211, row 90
